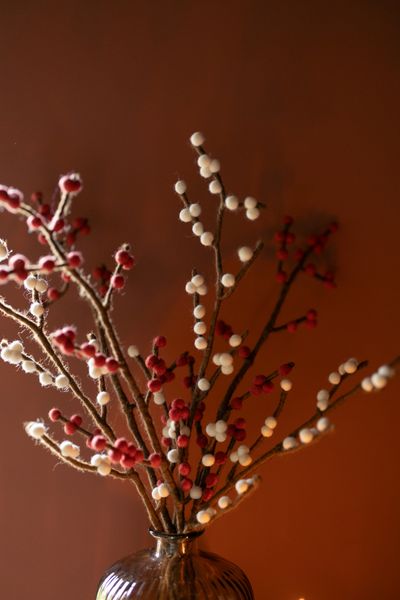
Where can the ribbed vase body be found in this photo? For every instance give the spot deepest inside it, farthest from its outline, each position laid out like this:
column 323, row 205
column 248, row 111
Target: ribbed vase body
column 174, row 570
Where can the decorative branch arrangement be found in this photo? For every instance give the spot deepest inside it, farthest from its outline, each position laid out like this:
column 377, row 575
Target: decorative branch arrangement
column 165, row 434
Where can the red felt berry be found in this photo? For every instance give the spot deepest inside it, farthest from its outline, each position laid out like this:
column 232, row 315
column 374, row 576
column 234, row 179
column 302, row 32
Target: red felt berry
column 34, row 222
column 155, row 460
column 54, row 414
column 282, row 254
column 311, row 315
column 207, row 495
column 268, row 387
column 42, row 239
column 281, row 276
column 47, row 263
column 333, row 227
column 280, row 236
column 58, row 225
column 112, row 365
column 125, row 259
column 240, row 435
column 127, row 461
column 65, row 277
column 188, row 381
column 184, row 469
column 290, row 237
column 178, row 403
column 244, row 352
column 121, row 444
column 220, row 458
column 312, row 239
column 167, row 442
column 169, row 376
column 311, row 324
column 182, row 441
column 256, row 390
column 160, row 341
column 240, row 423
column 231, row 430
column 88, row 349
column 45, row 210
column 285, row 369
column 114, row 455
column 18, row 261
column 74, row 259
column 236, row 403
column 288, row 220
column 69, row 428
column 182, row 360
column 76, row 420
column 154, row 385
column 99, row 442
column 21, row 274
column 131, row 450
column 117, row 282
column 198, row 415
column 259, row 379
column 160, row 367
column 292, row 326
column 4, row 274
column 175, row 414
column 139, row 456
column 185, row 413
column 202, row 440
column 186, row 484
column 53, row 294
column 99, row 360
column 70, row 185
column 211, row 480
column 151, row 361
column 298, row 254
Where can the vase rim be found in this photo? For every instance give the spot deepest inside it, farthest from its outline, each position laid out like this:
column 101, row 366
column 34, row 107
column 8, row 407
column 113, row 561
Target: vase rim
column 188, row 535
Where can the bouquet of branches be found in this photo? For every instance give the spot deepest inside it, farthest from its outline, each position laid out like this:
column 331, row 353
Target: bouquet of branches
column 188, row 457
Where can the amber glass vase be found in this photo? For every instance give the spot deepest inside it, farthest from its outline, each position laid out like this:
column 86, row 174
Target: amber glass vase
column 174, row 569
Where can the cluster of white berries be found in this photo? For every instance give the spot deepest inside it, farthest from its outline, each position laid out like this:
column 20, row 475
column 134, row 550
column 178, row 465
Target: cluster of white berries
column 267, row 429
column 205, row 516
column 241, row 455
column 224, row 360
column 160, row 491
column 217, row 430
column 378, row 380
column 307, row 434
column 244, row 485
column 12, row 353
column 250, row 204
column 170, row 431
column 349, row 367
column 35, row 429
column 197, row 285
column 102, row 463
column 191, row 214
column 69, row 450
column 38, row 284
column 94, row 371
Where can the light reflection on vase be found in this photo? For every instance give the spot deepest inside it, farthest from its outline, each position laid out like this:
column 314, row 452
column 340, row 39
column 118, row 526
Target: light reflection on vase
column 174, row 570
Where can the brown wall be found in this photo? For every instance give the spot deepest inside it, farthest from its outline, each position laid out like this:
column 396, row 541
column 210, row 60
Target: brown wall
column 300, row 100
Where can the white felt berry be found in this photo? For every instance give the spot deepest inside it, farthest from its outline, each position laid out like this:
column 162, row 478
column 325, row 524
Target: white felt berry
column 234, row 457
column 198, row 229
column 203, row 160
column 245, row 254
column 323, row 424
column 180, row 187
column 203, row 517
column 28, row 366
column 196, row 492
column 205, row 172
column 103, row 398
column 41, row 286
column 350, row 366
column 266, row 431
column 334, row 378
column 378, row 381
column 61, row 381
column 207, row 238
column 199, row 311
column 227, row 369
column 173, row 455
column 133, row 351
column 241, row 486
column 305, row 435
column 245, row 460
column 221, row 426
column 30, row 283
column 228, row 280
column 224, row 502
column 35, row 429
column 322, row 405
column 211, row 429
column 197, row 139
column 367, row 384
column 45, row 379
column 158, row 398
column 208, row 460
column 217, row 359
column 271, row 422
column 235, row 340
column 203, row 384
column 185, row 430
column 163, row 490
column 200, row 343
column 286, row 385
column 195, row 209
column 386, row 371
column 155, row 494
column 322, row 395
column 225, row 359
column 200, row 328
column 190, row 287
column 231, row 202
column 215, row 187
column 202, row 290
column 220, row 437
column 36, row 309
column 289, row 443
column 214, row 166
column 252, row 214
column 69, row 450
column 250, row 202
column 185, row 216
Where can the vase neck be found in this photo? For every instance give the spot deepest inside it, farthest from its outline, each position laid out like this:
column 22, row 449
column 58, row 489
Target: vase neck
column 173, row 544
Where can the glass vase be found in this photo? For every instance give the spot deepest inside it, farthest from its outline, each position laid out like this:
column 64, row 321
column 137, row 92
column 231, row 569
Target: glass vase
column 175, row 569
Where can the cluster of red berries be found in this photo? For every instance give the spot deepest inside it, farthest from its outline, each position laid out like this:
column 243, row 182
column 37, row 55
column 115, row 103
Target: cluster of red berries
column 310, row 321
column 10, row 198
column 65, row 340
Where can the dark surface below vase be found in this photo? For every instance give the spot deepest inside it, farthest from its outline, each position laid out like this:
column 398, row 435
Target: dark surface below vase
column 174, row 570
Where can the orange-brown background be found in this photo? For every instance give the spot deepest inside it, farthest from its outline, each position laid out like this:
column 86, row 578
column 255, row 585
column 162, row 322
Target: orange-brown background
column 300, row 100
